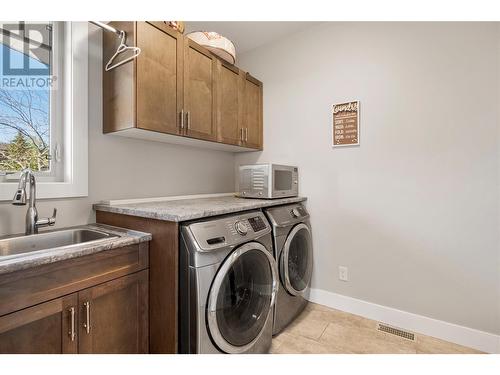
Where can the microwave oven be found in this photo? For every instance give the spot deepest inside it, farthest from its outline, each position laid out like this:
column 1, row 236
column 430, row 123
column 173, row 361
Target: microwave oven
column 268, row 181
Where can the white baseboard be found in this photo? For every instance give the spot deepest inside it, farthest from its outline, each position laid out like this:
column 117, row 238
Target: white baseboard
column 472, row 338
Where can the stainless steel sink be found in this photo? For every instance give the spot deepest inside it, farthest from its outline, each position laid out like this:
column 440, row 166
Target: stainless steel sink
column 18, row 245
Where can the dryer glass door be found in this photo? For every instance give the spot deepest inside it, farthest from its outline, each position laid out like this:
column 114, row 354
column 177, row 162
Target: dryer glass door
column 296, row 260
column 241, row 297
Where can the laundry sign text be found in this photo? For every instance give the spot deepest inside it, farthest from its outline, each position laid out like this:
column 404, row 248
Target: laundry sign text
column 345, row 124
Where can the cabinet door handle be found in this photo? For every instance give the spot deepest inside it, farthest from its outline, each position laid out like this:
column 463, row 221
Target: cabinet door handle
column 246, row 134
column 241, row 135
column 182, row 120
column 71, row 332
column 188, row 120
column 86, row 325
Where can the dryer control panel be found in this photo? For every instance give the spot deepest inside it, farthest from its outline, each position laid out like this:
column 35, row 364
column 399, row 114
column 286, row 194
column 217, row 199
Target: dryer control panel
column 283, row 216
column 298, row 211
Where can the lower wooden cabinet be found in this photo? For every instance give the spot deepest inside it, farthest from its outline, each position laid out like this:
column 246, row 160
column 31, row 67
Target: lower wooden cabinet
column 113, row 317
column 41, row 329
column 163, row 276
column 92, row 304
column 108, row 318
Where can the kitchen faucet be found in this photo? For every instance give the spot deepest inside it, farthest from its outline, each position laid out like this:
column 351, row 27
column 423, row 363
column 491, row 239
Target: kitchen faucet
column 32, row 221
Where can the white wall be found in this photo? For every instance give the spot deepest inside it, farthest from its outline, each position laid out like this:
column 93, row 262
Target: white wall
column 413, row 211
column 126, row 168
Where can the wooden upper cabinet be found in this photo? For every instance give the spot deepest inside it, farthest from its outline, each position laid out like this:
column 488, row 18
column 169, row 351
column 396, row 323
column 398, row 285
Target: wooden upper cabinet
column 48, row 328
column 118, row 85
column 177, row 90
column 228, row 104
column 158, row 79
column 252, row 112
column 199, row 93
column 145, row 93
column 114, row 316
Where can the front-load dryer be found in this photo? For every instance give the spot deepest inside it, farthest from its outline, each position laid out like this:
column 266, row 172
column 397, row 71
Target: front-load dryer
column 294, row 255
column 228, row 285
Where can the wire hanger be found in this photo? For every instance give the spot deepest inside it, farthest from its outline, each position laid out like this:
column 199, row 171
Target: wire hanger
column 122, row 48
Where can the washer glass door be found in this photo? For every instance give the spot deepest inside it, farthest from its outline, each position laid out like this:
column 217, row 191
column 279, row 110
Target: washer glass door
column 241, row 297
column 296, row 260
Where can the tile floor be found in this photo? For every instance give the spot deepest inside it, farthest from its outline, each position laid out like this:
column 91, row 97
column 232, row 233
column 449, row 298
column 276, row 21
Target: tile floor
column 321, row 330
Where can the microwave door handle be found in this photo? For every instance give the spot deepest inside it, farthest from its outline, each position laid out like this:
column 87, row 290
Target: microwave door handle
column 270, row 186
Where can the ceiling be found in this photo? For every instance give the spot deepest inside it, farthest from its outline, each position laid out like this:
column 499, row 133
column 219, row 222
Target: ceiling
column 247, row 35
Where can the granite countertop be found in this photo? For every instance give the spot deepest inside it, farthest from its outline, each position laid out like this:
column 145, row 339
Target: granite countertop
column 124, row 237
column 189, row 209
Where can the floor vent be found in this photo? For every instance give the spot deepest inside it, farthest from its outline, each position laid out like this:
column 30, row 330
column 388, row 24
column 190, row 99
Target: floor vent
column 396, row 331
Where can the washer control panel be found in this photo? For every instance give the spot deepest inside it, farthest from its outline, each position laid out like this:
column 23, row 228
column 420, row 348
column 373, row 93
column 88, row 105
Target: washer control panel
column 230, row 230
column 257, row 223
column 241, row 228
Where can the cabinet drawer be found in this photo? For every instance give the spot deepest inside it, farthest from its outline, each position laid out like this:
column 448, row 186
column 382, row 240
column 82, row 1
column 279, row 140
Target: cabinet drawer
column 29, row 287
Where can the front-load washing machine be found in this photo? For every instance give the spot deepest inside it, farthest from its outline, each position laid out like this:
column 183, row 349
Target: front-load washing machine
column 294, row 255
column 228, row 285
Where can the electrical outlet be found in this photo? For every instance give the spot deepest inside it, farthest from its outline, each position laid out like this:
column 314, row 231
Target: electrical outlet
column 343, row 275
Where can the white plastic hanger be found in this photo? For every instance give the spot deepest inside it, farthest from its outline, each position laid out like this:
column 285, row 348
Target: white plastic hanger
column 121, row 49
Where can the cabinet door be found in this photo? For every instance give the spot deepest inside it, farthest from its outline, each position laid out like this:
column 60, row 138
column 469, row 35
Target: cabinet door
column 48, row 328
column 159, row 78
column 228, row 102
column 199, row 94
column 252, row 112
column 114, row 316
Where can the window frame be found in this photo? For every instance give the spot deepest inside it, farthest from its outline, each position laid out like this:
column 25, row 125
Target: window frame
column 72, row 122
column 56, row 140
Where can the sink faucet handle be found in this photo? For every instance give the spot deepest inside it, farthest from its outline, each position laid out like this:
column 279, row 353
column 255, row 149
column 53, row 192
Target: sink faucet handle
column 49, row 221
column 52, row 220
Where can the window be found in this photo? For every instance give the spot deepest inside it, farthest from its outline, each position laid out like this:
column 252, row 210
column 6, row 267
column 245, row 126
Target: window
column 43, row 106
column 29, row 57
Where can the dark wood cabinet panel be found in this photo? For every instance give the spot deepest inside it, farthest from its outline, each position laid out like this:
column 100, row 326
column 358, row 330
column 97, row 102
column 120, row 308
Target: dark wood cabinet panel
column 114, row 316
column 199, row 94
column 228, row 104
column 48, row 328
column 118, row 98
column 252, row 113
column 158, row 79
column 163, row 276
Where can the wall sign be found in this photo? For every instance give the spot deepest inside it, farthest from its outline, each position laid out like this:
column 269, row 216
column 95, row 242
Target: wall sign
column 346, row 124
